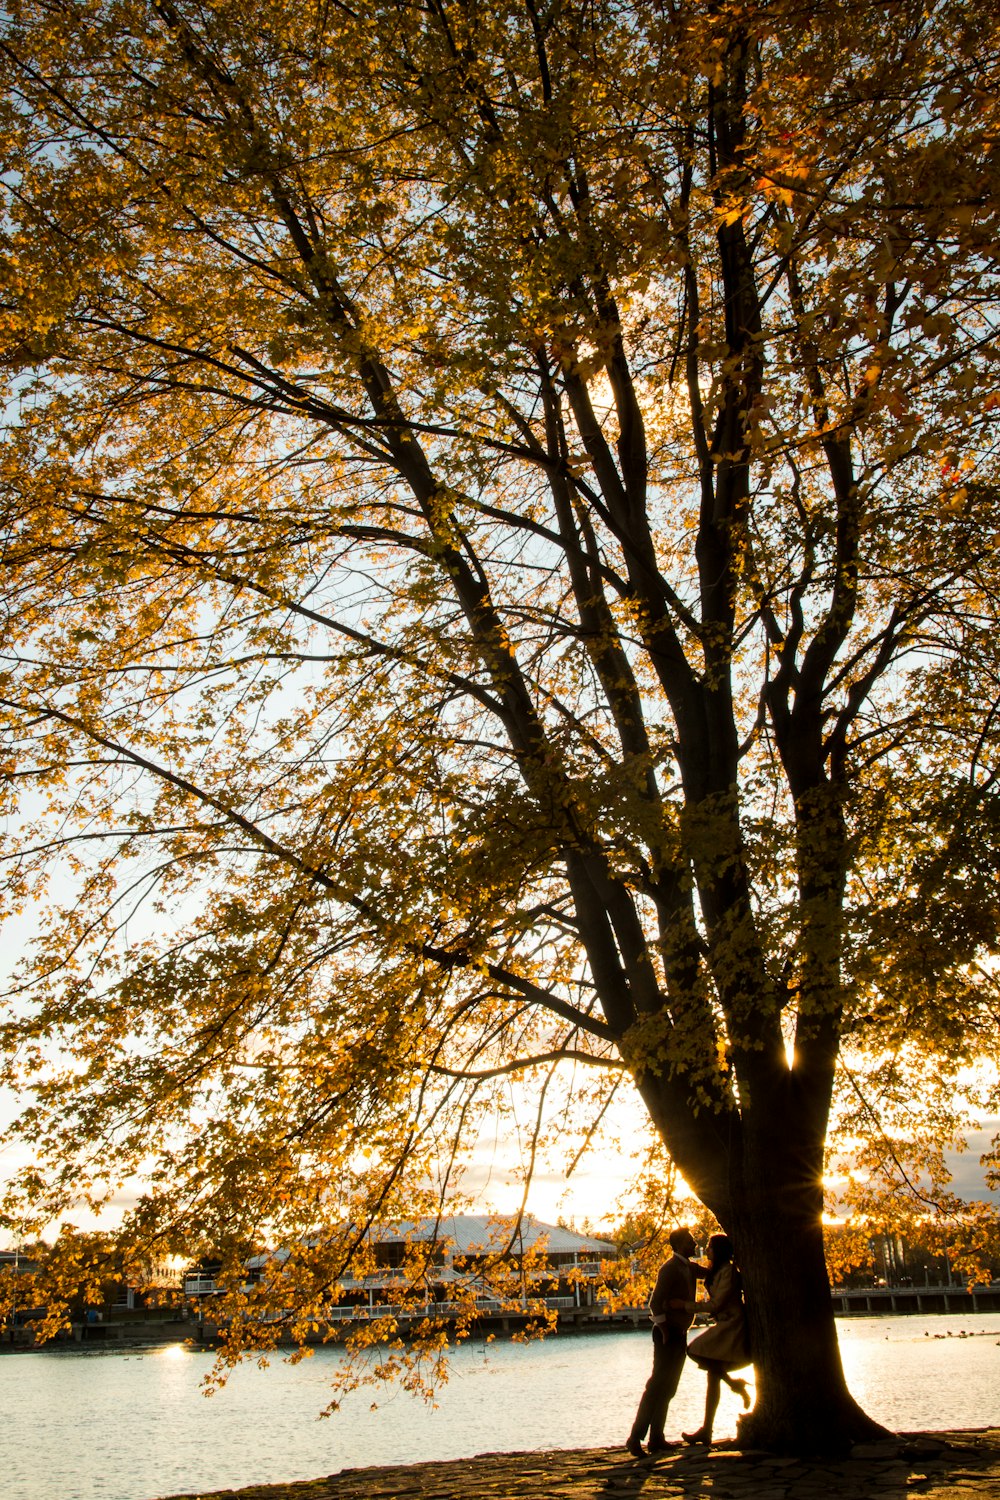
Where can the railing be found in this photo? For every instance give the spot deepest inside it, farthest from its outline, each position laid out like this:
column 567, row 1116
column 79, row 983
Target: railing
column 387, row 1276
column 364, row 1313
column 485, row 1306
column 922, row 1299
column 197, row 1284
column 202, row 1283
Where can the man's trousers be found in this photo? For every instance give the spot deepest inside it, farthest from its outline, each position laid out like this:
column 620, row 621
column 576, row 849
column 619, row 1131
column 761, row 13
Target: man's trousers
column 669, row 1352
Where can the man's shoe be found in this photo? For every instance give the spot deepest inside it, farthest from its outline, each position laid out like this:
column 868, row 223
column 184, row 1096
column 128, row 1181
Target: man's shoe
column 661, row 1446
column 634, row 1447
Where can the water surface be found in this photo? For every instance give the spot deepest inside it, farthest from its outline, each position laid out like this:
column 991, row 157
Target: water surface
column 131, row 1425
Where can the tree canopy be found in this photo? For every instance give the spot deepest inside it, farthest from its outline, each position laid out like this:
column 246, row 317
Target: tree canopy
column 500, row 533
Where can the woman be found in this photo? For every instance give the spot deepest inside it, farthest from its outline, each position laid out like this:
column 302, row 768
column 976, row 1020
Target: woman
column 723, row 1347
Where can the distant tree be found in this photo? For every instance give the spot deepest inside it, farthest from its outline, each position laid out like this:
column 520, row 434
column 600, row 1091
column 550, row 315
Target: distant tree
column 500, row 513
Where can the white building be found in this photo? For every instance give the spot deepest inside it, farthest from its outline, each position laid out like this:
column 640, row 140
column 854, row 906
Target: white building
column 467, row 1250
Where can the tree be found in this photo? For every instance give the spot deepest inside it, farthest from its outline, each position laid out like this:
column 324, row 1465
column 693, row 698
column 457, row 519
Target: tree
column 492, row 495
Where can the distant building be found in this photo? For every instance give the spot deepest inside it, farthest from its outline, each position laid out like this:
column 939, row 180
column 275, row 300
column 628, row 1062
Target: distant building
column 16, row 1260
column 20, row 1304
column 161, row 1276
column 465, row 1246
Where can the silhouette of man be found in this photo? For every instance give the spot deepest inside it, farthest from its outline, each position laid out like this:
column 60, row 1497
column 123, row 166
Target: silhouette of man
column 672, row 1317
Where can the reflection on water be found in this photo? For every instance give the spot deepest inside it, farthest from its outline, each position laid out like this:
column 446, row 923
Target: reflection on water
column 99, row 1425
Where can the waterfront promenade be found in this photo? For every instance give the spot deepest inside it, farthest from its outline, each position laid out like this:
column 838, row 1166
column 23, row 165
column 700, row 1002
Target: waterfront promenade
column 944, row 1466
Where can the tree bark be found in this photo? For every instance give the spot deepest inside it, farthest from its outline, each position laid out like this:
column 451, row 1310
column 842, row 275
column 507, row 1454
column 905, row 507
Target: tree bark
column 775, row 1220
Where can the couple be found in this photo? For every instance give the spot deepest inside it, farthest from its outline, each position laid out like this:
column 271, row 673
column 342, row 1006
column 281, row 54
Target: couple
column 721, row 1348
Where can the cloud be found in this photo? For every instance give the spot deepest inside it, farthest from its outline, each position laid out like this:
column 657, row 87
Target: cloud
column 968, row 1173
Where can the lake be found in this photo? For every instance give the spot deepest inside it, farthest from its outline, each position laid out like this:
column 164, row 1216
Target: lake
column 131, row 1425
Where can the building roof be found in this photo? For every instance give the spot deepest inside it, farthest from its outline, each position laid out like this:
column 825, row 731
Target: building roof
column 469, row 1234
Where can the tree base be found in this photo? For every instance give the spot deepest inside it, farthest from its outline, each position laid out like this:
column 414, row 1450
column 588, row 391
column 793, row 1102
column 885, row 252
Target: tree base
column 821, row 1431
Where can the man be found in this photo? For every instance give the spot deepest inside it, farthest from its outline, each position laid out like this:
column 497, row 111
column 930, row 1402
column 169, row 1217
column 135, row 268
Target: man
column 670, row 1309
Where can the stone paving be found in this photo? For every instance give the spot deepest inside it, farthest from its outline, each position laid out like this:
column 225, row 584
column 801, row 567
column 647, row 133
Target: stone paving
column 944, row 1466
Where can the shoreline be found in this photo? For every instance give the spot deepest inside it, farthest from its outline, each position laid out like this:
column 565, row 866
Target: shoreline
column 135, row 1335
column 944, row 1465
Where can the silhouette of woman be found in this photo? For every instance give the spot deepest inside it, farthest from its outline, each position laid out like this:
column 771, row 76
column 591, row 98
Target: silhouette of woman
column 723, row 1346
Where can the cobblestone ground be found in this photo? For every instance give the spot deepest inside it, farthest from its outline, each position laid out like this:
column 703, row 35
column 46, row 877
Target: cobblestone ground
column 945, row 1466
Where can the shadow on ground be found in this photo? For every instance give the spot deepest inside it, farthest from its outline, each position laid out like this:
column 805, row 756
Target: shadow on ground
column 944, row 1466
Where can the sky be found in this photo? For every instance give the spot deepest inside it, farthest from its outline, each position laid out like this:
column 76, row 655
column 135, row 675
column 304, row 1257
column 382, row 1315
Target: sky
column 596, row 1195
column 590, row 1196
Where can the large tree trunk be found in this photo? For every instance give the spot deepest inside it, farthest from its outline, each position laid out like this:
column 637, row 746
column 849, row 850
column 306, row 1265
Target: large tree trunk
column 775, row 1219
